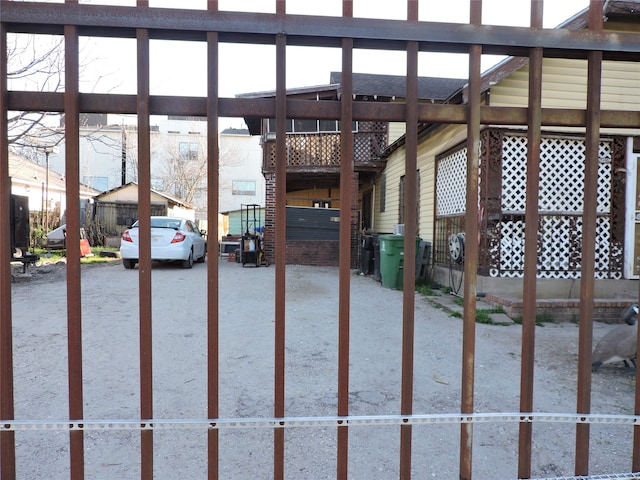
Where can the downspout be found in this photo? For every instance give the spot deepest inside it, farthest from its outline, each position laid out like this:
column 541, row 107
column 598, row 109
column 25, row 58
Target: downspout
column 373, row 206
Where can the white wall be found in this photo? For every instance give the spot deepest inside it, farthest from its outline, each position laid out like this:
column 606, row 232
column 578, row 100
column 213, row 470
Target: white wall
column 241, row 160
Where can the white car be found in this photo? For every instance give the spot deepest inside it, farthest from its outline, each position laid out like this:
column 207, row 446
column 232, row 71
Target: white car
column 172, row 239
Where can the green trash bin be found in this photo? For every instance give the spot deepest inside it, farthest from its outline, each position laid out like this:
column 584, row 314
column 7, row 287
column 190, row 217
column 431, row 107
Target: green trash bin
column 392, row 260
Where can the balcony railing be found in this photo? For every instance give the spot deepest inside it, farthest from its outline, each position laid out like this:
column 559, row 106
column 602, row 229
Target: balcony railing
column 322, row 150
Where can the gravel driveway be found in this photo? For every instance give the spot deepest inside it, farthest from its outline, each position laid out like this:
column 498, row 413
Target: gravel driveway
column 110, row 341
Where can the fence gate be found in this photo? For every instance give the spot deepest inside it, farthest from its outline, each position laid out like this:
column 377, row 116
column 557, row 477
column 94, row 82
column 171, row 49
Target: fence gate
column 73, row 20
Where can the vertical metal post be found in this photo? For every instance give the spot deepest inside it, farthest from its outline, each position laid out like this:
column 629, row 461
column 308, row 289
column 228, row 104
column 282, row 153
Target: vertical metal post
column 410, row 234
column 7, row 438
column 280, row 245
column 213, row 186
column 46, row 190
column 74, row 304
column 531, row 245
column 144, row 265
column 471, row 248
column 346, row 187
column 587, row 280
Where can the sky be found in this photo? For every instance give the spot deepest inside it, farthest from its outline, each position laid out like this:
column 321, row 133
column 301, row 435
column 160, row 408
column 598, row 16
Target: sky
column 179, row 68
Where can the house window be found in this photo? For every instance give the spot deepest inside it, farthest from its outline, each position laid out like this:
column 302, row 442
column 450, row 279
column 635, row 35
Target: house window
column 243, row 187
column 310, row 126
column 383, row 192
column 271, row 127
column 188, row 150
column 321, row 204
column 303, row 126
column 328, row 126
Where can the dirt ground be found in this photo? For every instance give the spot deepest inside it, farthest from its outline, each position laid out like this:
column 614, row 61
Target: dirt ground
column 111, row 373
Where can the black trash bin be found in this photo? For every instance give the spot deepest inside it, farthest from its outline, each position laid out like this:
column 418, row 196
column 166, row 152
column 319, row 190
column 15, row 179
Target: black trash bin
column 376, row 258
column 366, row 255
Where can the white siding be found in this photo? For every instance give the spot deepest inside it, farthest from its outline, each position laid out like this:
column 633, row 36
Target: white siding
column 434, row 144
column 396, row 130
column 564, row 84
column 384, row 221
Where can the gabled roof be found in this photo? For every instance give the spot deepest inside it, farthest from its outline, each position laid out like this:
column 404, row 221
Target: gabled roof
column 24, row 170
column 169, row 198
column 366, row 86
column 436, row 89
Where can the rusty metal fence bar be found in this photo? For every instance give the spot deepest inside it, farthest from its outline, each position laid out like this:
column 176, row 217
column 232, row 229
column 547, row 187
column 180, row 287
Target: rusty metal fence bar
column 344, row 300
column 72, row 182
column 73, row 20
column 144, row 271
column 213, row 188
column 587, row 279
column 472, row 250
column 280, row 247
column 530, row 261
column 7, row 439
column 410, row 212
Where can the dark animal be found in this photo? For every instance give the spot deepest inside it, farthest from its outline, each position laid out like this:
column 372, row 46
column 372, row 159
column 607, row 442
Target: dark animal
column 620, row 343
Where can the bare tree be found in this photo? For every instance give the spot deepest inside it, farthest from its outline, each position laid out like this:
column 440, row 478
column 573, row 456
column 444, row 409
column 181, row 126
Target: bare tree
column 35, row 63
column 182, row 172
column 185, row 168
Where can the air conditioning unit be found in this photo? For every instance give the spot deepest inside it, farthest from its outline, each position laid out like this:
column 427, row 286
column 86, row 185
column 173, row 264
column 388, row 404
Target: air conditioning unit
column 398, row 229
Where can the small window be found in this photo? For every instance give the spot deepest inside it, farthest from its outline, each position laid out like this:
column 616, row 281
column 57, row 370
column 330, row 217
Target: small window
column 183, row 149
column 304, row 126
column 193, row 151
column 383, row 192
column 243, row 187
column 328, row 126
column 271, row 127
column 354, row 126
column 188, row 150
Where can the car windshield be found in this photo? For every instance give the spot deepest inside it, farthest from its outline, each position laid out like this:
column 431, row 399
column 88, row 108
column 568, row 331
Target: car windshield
column 163, row 223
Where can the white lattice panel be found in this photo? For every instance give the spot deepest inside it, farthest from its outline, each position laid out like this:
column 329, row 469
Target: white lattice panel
column 561, row 175
column 561, row 204
column 514, row 173
column 511, row 249
column 452, row 180
column 557, row 235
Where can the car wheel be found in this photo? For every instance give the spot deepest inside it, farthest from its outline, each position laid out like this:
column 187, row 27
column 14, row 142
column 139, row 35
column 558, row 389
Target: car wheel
column 202, row 258
column 188, row 263
column 128, row 263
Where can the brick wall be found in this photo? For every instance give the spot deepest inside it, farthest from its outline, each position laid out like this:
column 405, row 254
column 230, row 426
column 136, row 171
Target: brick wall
column 313, row 252
column 565, row 310
column 269, row 217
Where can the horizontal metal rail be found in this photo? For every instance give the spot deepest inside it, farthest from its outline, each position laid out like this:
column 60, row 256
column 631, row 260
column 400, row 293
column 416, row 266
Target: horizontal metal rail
column 324, row 110
column 308, row 30
column 325, row 421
